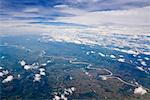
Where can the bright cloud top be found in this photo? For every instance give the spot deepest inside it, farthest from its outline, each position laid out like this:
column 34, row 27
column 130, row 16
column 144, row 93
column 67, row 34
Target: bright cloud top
column 140, row 91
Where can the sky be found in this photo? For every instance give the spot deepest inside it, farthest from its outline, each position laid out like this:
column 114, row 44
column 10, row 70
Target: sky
column 47, row 16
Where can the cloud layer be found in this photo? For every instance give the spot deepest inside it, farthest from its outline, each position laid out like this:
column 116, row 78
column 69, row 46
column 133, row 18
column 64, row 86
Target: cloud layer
column 46, row 16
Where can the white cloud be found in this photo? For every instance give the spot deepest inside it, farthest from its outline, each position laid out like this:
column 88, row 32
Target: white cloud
column 143, row 63
column 146, row 58
column 27, row 67
column 2, row 57
column 140, row 68
column 92, row 52
column 18, row 75
column 41, row 69
column 123, row 19
column 86, row 73
column 8, row 79
column 104, row 78
column 29, row 10
column 87, row 52
column 37, row 77
column 73, row 89
column 140, row 90
column 101, row 25
column 63, row 95
column 5, row 72
column 118, row 21
column 121, row 60
column 56, row 97
column 61, row 6
column 42, row 73
column 1, row 67
column 112, row 56
column 44, row 64
column 101, row 54
column 22, row 63
column 1, row 74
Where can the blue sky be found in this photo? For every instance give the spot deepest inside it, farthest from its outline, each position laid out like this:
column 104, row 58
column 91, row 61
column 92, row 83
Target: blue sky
column 68, row 13
column 18, row 5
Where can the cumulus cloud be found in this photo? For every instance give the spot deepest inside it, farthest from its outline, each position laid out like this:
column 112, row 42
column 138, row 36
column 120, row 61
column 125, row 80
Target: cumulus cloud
column 104, row 78
column 37, row 77
column 22, row 63
column 101, row 54
column 8, row 79
column 112, row 56
column 121, row 60
column 143, row 63
column 1, row 67
column 42, row 73
column 1, row 74
column 41, row 69
column 146, row 58
column 28, row 67
column 140, row 90
column 5, row 72
column 44, row 64
column 65, row 93
column 56, row 97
